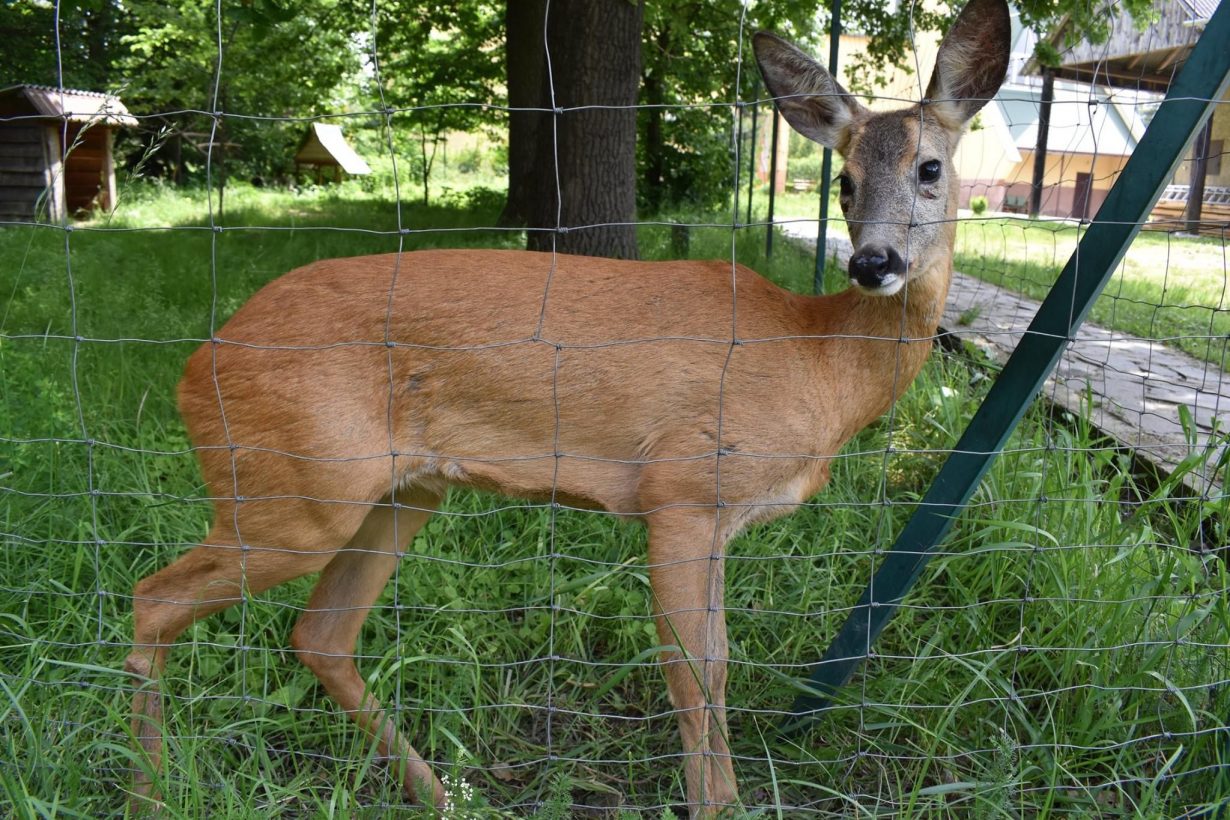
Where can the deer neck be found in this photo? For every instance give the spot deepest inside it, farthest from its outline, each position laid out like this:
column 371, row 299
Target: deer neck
column 911, row 315
column 878, row 343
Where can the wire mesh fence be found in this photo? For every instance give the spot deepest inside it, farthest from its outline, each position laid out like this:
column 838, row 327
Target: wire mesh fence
column 1064, row 653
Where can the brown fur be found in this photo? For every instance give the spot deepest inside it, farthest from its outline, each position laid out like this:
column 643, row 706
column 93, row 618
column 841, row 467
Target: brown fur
column 336, row 406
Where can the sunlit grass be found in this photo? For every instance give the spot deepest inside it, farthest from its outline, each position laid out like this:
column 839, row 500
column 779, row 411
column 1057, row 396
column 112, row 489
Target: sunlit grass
column 1168, row 287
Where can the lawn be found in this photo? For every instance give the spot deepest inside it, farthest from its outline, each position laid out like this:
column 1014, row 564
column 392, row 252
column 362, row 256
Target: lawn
column 1168, row 287
column 1061, row 656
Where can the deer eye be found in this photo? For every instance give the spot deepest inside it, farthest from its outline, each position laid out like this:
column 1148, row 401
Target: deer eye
column 847, row 186
column 929, row 171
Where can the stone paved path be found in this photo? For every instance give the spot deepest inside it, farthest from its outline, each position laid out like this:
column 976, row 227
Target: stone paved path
column 1137, row 385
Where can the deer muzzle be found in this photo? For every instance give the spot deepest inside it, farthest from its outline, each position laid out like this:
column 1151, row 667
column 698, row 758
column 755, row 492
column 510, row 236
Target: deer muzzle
column 875, row 268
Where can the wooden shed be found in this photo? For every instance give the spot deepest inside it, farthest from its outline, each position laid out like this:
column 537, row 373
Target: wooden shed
column 56, row 151
column 326, row 147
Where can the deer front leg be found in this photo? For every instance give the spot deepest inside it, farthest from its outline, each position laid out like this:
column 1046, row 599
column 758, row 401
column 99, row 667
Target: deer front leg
column 326, row 634
column 685, row 570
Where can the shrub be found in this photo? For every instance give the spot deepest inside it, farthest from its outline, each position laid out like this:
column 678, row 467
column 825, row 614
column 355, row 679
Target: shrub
column 476, row 199
column 469, row 161
column 805, row 168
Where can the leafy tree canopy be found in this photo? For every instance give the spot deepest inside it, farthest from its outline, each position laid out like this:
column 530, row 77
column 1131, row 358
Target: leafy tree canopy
column 297, row 58
column 277, row 60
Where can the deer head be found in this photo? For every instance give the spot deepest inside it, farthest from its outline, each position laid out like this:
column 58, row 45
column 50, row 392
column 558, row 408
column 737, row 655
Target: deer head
column 898, row 185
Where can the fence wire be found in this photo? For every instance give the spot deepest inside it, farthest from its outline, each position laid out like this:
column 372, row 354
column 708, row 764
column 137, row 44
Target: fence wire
column 1066, row 653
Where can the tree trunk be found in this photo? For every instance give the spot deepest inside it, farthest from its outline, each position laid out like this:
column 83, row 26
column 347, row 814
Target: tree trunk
column 525, row 65
column 428, row 158
column 586, row 158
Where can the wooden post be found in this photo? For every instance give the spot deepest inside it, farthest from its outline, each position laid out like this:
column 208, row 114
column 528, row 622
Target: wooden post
column 53, row 173
column 1044, row 127
column 108, row 168
column 1200, row 171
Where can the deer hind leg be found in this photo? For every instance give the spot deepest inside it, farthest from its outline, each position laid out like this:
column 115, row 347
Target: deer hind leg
column 685, row 570
column 282, row 539
column 325, row 635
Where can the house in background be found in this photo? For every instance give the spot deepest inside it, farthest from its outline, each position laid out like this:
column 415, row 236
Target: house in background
column 56, row 151
column 1143, row 60
column 1090, row 136
column 1210, row 211
column 1083, row 131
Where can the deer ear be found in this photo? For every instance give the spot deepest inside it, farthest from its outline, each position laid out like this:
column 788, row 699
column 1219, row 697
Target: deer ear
column 809, row 98
column 971, row 62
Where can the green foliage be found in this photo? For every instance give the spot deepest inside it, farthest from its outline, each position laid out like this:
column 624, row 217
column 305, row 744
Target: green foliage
column 801, row 147
column 695, row 164
column 691, row 60
column 889, row 30
column 440, row 64
column 80, row 53
column 474, row 200
column 978, row 204
column 807, row 168
column 444, row 59
column 1081, row 19
column 277, row 60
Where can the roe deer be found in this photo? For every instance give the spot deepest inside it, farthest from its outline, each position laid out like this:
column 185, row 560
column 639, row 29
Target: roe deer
column 333, row 409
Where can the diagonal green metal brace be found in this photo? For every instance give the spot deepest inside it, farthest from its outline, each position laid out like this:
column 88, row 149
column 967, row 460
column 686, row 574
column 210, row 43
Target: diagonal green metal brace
column 1189, row 102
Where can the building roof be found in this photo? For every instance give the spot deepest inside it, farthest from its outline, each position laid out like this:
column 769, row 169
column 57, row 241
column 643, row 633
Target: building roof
column 1083, row 121
column 57, row 103
column 1201, row 9
column 325, row 145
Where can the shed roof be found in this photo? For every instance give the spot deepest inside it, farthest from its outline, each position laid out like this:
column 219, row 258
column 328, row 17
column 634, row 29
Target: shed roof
column 325, row 145
column 57, row 103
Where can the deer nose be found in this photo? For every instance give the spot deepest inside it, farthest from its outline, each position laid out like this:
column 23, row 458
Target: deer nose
column 873, row 267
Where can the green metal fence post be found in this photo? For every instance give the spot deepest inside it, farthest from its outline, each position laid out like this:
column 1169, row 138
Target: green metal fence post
column 751, row 170
column 1190, row 100
column 826, row 164
column 774, row 133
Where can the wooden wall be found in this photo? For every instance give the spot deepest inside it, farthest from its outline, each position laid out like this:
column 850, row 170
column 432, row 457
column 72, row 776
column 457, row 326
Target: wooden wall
column 27, row 165
column 35, row 183
column 86, row 168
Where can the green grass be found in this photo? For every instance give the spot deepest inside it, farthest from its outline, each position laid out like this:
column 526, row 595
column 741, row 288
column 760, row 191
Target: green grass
column 1172, row 288
column 1060, row 657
